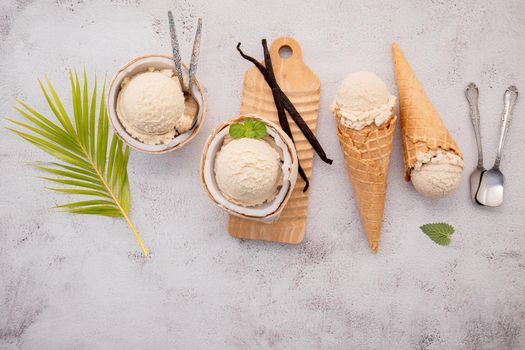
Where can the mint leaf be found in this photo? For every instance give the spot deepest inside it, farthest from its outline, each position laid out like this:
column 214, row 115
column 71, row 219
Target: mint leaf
column 250, row 129
column 260, row 130
column 438, row 232
column 237, row 130
column 248, row 124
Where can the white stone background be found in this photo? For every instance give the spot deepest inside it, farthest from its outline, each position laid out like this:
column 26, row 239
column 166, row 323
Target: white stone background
column 78, row 282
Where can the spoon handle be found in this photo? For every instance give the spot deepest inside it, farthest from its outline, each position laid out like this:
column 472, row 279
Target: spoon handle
column 510, row 97
column 472, row 94
column 195, row 55
column 176, row 50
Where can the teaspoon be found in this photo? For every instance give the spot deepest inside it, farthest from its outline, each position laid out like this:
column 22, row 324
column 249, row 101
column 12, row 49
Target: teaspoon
column 472, row 94
column 192, row 97
column 490, row 192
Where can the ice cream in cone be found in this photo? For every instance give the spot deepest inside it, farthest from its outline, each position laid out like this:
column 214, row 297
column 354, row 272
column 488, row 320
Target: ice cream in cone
column 433, row 161
column 364, row 110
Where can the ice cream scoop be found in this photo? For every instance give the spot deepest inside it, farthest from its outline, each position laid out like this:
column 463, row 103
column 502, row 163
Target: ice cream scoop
column 247, row 171
column 150, row 106
column 363, row 99
column 436, row 173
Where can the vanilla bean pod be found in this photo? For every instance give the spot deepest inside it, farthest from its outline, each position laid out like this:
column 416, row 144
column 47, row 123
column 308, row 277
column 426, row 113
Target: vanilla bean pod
column 283, row 120
column 285, row 102
column 278, row 104
column 288, row 105
column 257, row 64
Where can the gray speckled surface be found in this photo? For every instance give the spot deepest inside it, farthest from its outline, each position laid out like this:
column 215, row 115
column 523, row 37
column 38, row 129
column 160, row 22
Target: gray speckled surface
column 76, row 282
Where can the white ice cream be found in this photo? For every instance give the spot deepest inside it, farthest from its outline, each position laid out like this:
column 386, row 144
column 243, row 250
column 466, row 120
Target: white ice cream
column 248, row 171
column 363, row 99
column 150, row 106
column 436, row 173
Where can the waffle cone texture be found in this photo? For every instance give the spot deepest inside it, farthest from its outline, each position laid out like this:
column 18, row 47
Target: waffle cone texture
column 367, row 156
column 422, row 129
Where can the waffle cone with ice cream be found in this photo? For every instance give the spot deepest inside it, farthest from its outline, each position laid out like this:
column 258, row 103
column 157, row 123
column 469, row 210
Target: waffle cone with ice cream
column 366, row 122
column 432, row 158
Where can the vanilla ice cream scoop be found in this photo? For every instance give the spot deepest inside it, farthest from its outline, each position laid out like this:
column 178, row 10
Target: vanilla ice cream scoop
column 150, row 106
column 436, row 173
column 248, row 171
column 363, row 99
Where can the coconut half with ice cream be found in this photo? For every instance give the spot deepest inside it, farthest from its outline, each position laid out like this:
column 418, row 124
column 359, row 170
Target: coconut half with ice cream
column 148, row 108
column 249, row 168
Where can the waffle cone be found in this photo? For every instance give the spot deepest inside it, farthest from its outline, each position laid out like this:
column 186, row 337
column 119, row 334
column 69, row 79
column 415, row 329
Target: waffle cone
column 421, row 126
column 367, row 156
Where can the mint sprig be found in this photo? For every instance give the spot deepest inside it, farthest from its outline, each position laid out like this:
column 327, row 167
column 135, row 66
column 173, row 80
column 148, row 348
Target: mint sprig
column 249, row 129
column 438, row 232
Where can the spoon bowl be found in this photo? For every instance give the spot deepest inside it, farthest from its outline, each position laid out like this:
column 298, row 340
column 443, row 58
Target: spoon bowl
column 475, row 180
column 490, row 191
column 193, row 103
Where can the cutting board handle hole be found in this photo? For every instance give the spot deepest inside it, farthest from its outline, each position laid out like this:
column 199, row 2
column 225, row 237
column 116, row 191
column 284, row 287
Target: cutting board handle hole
column 285, row 52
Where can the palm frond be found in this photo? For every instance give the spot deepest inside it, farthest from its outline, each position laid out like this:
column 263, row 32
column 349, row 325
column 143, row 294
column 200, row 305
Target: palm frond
column 81, row 144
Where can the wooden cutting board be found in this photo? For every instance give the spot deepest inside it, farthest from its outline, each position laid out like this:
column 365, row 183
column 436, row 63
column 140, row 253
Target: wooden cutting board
column 303, row 88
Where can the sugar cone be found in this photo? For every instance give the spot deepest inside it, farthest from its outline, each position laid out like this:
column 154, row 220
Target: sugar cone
column 367, row 156
column 421, row 126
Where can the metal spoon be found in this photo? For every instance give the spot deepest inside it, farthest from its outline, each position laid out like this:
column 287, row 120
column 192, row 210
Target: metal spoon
column 472, row 94
column 192, row 97
column 490, row 192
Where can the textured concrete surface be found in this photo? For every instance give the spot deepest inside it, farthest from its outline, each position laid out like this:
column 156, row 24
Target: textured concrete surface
column 76, row 282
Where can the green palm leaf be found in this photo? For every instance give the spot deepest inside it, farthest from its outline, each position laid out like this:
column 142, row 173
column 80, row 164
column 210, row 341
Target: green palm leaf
column 81, row 144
